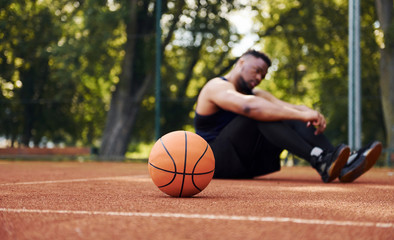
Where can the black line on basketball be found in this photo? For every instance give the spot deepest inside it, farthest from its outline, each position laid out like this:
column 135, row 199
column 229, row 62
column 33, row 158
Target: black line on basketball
column 184, row 166
column 173, row 162
column 164, row 170
column 194, row 168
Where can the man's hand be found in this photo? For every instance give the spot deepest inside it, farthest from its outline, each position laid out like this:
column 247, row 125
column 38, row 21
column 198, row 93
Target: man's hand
column 318, row 121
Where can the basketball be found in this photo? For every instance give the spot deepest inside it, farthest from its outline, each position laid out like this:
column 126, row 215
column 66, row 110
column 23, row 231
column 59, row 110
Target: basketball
column 181, row 164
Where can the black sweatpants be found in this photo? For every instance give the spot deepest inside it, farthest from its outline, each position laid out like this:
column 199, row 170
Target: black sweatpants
column 247, row 148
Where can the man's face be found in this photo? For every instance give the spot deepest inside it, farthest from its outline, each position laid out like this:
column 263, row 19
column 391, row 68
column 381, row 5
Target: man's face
column 253, row 71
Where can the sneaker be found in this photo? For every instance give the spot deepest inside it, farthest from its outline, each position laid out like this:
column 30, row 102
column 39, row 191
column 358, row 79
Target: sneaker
column 329, row 165
column 360, row 162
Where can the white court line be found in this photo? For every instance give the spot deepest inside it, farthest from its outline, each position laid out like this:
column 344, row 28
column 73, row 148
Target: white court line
column 76, row 180
column 208, row 217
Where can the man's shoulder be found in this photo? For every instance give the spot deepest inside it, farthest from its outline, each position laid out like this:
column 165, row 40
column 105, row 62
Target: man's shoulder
column 218, row 82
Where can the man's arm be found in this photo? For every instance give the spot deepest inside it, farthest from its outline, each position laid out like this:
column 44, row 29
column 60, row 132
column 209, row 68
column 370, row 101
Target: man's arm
column 266, row 95
column 221, row 94
column 320, row 124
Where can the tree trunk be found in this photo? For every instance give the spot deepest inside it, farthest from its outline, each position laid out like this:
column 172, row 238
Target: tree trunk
column 386, row 19
column 120, row 121
column 126, row 98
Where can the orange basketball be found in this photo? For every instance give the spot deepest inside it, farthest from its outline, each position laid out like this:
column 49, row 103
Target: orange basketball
column 181, row 164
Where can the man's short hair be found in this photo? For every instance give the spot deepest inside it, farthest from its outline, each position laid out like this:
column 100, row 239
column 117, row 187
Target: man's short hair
column 258, row 54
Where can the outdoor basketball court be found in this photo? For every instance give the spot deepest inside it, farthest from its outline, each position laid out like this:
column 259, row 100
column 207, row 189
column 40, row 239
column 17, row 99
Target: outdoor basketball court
column 71, row 200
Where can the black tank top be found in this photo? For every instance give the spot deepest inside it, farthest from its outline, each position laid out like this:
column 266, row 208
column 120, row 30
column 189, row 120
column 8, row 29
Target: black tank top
column 209, row 126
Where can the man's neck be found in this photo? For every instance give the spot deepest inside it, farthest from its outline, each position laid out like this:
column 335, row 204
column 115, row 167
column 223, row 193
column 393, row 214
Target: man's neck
column 239, row 83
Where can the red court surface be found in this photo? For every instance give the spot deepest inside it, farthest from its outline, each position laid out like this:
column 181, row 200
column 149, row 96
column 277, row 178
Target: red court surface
column 71, row 200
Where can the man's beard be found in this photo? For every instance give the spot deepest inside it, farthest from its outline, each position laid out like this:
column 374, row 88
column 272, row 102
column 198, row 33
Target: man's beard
column 243, row 87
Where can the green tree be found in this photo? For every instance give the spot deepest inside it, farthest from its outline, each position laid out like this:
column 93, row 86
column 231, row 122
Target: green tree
column 59, row 60
column 28, row 32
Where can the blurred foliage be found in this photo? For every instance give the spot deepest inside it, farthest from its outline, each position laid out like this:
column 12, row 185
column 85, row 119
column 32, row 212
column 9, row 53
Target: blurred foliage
column 60, row 62
column 309, row 46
